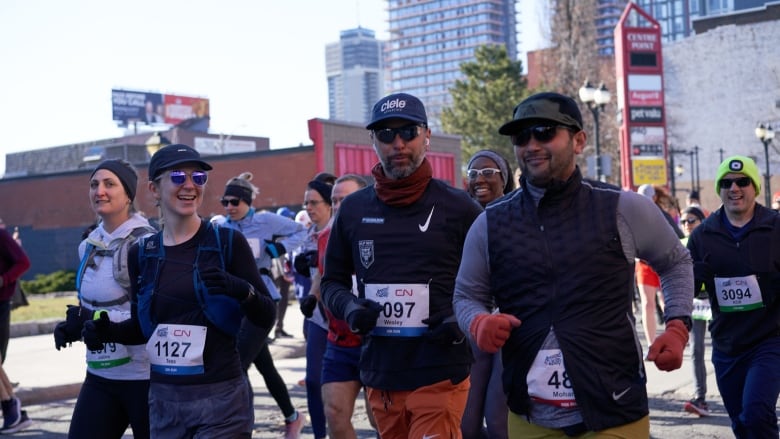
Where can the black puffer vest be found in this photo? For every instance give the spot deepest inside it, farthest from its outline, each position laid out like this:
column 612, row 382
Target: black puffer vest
column 562, row 266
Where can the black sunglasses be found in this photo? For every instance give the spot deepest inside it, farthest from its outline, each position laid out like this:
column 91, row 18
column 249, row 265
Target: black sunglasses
column 725, row 183
column 198, row 177
column 233, row 202
column 407, row 133
column 542, row 133
column 688, row 221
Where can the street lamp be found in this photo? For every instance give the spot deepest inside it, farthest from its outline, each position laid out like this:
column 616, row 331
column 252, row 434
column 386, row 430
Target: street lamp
column 155, row 142
column 765, row 134
column 595, row 99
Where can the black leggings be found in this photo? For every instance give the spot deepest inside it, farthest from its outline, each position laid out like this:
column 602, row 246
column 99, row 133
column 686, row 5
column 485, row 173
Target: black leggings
column 106, row 407
column 253, row 348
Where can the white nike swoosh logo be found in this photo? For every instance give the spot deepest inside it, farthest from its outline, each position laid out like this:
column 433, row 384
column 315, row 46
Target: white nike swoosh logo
column 617, row 396
column 424, row 228
column 425, row 436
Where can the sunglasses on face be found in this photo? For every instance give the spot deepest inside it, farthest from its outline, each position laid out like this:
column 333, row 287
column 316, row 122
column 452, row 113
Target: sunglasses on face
column 198, row 177
column 407, row 133
column 486, row 172
column 725, row 183
column 232, row 201
column 542, row 133
column 690, row 221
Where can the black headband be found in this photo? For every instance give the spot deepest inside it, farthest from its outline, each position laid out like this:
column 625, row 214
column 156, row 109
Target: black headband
column 240, row 192
column 126, row 175
column 324, row 189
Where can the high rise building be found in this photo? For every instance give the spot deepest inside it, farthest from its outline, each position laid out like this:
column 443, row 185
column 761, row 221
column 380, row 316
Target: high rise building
column 676, row 16
column 354, row 66
column 429, row 39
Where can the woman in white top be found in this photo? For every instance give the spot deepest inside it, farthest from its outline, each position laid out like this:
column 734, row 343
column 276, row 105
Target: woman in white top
column 115, row 390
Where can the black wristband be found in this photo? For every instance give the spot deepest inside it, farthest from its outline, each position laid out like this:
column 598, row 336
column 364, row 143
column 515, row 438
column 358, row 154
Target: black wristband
column 686, row 321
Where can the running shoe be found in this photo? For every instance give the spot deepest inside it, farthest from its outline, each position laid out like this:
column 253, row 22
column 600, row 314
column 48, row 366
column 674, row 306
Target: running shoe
column 292, row 429
column 22, row 422
column 698, row 407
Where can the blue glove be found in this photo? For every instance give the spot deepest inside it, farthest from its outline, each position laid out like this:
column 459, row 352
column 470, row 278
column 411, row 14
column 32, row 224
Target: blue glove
column 218, row 281
column 274, row 249
column 95, row 332
column 361, row 315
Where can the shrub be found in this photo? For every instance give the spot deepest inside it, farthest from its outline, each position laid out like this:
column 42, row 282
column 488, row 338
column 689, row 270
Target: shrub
column 62, row 280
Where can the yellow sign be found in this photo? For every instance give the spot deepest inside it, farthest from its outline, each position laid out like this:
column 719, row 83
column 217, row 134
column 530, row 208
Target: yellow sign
column 648, row 170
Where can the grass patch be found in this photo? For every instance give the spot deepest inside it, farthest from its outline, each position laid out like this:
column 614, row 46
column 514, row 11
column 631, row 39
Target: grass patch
column 43, row 308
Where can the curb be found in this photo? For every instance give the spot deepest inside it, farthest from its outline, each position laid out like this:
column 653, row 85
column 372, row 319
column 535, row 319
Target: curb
column 280, row 349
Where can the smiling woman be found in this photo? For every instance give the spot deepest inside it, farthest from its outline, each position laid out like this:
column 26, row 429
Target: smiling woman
column 490, row 176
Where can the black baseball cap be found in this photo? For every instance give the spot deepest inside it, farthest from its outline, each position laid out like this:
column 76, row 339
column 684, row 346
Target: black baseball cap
column 543, row 107
column 170, row 156
column 398, row 106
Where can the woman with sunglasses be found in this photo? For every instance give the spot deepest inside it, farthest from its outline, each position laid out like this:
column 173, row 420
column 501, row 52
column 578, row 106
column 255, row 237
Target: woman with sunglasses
column 193, row 283
column 489, row 178
column 690, row 219
column 270, row 236
column 317, row 202
column 115, row 391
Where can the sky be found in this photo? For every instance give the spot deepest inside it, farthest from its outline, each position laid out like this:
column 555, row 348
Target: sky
column 261, row 63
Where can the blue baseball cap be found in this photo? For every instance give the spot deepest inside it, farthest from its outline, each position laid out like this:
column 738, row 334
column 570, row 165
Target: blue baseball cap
column 398, row 106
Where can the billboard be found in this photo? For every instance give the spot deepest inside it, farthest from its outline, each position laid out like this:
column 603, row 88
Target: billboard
column 129, row 107
column 640, row 90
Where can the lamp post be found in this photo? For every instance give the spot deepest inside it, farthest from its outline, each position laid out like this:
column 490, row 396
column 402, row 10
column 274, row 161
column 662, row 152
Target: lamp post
column 155, row 142
column 595, row 99
column 675, row 169
column 765, row 134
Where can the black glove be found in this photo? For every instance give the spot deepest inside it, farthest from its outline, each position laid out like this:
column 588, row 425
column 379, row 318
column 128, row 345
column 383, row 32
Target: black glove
column 304, row 261
column 308, row 304
column 274, row 249
column 218, row 281
column 443, row 328
column 703, row 275
column 69, row 331
column 361, row 315
column 95, row 332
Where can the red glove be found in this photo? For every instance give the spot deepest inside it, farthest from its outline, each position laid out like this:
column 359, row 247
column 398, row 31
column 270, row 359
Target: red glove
column 667, row 349
column 491, row 331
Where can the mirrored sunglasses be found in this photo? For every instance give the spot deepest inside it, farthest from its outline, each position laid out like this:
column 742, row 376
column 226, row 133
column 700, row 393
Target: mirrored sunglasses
column 486, row 172
column 198, row 177
column 407, row 133
column 232, row 201
column 542, row 133
column 725, row 183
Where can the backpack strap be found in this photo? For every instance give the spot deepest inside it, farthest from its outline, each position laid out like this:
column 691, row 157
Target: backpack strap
column 150, row 253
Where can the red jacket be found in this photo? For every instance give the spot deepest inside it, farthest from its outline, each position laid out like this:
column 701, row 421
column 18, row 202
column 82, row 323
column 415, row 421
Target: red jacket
column 13, row 263
column 338, row 330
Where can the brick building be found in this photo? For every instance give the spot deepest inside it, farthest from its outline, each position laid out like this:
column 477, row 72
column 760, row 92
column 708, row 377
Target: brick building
column 52, row 209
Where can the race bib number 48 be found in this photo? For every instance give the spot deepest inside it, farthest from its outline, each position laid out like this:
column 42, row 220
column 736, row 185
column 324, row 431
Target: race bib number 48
column 404, row 307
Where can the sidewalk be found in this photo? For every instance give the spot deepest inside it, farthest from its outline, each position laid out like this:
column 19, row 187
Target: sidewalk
column 46, row 374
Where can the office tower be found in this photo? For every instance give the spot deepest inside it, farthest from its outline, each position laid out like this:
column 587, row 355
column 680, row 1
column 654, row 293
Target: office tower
column 355, row 77
column 676, row 16
column 429, row 39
